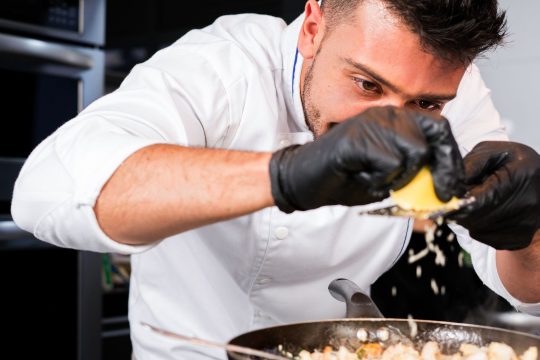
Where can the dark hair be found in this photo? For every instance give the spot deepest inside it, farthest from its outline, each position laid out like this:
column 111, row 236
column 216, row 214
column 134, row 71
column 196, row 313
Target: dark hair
column 456, row 30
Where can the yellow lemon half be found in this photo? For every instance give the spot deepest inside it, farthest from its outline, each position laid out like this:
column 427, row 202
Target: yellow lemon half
column 419, row 194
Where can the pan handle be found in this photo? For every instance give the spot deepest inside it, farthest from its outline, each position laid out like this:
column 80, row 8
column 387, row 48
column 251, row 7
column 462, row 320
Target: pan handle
column 358, row 303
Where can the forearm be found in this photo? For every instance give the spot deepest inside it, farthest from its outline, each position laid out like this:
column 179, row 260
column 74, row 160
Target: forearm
column 519, row 271
column 162, row 190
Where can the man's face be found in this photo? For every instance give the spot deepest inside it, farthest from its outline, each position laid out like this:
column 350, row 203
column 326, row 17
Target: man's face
column 371, row 60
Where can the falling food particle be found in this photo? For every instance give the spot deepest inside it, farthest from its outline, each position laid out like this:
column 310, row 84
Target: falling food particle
column 412, row 326
column 394, row 291
column 440, row 258
column 460, row 259
column 443, row 290
column 430, row 234
column 434, row 287
column 415, row 257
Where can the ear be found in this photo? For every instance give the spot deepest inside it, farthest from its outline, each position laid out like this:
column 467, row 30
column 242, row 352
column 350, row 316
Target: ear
column 311, row 31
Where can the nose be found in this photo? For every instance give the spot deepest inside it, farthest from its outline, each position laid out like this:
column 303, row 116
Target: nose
column 392, row 101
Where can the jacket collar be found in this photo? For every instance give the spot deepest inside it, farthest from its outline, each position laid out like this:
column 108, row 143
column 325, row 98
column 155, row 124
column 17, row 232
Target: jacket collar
column 292, row 66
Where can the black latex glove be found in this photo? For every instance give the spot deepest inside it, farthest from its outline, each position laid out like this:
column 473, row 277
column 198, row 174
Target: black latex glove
column 358, row 161
column 504, row 177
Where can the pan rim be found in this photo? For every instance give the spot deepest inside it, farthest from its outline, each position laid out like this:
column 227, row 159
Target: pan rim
column 435, row 322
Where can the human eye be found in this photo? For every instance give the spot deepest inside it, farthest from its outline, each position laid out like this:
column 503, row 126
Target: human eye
column 367, row 86
column 428, row 105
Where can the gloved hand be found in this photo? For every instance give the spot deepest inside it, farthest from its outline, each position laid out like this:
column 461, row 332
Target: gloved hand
column 504, row 177
column 358, row 161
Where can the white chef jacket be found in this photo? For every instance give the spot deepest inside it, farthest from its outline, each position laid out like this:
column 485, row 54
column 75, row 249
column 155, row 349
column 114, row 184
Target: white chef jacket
column 233, row 85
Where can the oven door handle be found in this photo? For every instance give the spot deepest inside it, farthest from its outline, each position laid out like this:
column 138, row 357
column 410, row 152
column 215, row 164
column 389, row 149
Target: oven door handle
column 38, row 49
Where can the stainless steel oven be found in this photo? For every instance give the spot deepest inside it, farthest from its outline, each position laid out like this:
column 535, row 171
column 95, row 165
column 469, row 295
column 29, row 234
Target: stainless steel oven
column 44, row 84
column 81, row 21
column 51, row 67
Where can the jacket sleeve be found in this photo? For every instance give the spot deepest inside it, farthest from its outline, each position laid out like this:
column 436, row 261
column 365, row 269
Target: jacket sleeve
column 474, row 119
column 184, row 104
column 472, row 115
column 484, row 263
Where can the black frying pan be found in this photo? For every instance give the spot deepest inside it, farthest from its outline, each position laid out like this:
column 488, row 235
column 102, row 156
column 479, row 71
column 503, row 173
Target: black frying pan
column 363, row 315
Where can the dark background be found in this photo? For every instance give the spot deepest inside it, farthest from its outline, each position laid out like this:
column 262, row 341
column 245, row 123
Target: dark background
column 460, row 296
column 138, row 28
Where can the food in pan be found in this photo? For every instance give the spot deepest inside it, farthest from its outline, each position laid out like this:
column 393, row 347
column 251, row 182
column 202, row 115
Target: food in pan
column 429, row 351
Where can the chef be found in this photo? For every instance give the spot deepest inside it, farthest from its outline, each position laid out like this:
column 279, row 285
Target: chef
column 202, row 166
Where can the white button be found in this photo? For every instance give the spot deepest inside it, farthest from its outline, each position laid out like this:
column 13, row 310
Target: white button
column 284, row 143
column 260, row 315
column 281, row 232
column 263, row 280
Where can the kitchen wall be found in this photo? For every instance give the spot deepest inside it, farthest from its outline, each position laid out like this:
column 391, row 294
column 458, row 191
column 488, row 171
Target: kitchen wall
column 513, row 72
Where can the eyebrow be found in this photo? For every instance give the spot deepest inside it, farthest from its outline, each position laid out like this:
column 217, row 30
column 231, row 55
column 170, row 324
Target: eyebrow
column 394, row 88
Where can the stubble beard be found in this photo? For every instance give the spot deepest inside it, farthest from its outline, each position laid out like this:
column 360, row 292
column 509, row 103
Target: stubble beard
column 312, row 113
